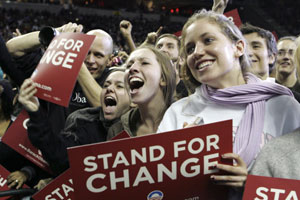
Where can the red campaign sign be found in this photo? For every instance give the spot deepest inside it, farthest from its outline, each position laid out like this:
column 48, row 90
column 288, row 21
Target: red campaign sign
column 16, row 137
column 234, row 16
column 275, row 35
column 260, row 187
column 56, row 74
column 173, row 165
column 178, row 33
column 62, row 187
column 3, row 181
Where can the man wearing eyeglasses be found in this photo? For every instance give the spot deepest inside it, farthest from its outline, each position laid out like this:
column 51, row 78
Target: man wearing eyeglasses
column 285, row 64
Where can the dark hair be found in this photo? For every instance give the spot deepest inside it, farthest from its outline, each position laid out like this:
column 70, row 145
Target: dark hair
column 169, row 36
column 6, row 98
column 267, row 35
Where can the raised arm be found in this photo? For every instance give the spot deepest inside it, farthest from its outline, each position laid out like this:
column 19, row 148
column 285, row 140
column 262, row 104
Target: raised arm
column 219, row 6
column 20, row 45
column 26, row 96
column 152, row 37
column 126, row 28
column 53, row 145
column 89, row 85
column 8, row 66
column 17, row 33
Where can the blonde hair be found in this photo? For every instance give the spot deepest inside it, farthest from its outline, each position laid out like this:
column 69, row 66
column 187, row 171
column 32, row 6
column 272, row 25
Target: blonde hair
column 229, row 30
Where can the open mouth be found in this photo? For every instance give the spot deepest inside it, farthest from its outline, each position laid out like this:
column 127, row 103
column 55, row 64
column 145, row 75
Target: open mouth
column 92, row 70
column 285, row 63
column 201, row 65
column 110, row 101
column 135, row 83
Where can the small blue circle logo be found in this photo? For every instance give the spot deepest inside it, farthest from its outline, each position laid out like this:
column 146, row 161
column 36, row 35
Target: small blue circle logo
column 155, row 195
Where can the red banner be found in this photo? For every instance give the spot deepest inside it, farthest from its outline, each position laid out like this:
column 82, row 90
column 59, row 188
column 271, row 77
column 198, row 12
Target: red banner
column 3, row 181
column 172, row 165
column 260, row 187
column 62, row 187
column 275, row 35
column 56, row 74
column 16, row 137
column 234, row 16
column 178, row 33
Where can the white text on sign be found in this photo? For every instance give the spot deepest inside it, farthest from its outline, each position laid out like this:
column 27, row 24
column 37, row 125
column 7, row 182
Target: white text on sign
column 62, row 57
column 190, row 167
column 262, row 192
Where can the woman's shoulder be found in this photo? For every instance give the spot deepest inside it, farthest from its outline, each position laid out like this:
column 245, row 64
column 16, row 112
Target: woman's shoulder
column 181, row 101
column 283, row 102
column 282, row 115
column 281, row 98
column 186, row 101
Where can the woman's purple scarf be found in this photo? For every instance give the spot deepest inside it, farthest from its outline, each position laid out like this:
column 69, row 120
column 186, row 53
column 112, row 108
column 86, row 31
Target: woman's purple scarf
column 254, row 94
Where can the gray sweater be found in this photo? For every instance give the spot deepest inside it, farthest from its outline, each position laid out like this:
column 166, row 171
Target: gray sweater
column 280, row 158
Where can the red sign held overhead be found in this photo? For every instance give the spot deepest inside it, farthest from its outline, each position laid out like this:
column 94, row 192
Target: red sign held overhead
column 56, row 74
column 234, row 16
column 260, row 187
column 275, row 35
column 178, row 33
column 171, row 165
column 16, row 137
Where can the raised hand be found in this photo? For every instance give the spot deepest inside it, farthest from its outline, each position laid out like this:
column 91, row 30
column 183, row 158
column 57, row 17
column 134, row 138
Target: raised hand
column 219, row 6
column 26, row 96
column 17, row 33
column 125, row 28
column 152, row 37
column 70, row 28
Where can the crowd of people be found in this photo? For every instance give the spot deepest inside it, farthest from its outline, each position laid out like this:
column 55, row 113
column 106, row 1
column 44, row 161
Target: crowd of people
column 155, row 83
column 290, row 13
column 12, row 19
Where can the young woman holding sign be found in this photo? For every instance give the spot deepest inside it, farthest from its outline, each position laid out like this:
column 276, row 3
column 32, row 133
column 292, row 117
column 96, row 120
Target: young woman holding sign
column 84, row 126
column 214, row 50
column 150, row 81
